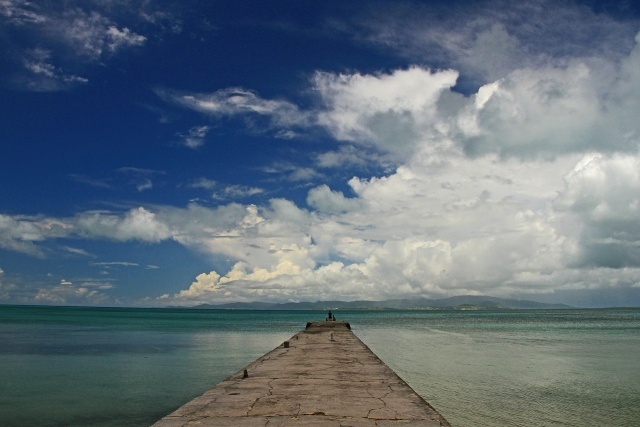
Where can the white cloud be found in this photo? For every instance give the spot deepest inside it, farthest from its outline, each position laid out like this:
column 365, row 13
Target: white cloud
column 58, row 292
column 604, row 192
column 349, row 156
column 391, row 112
column 382, row 259
column 140, row 178
column 486, row 40
column 226, row 192
column 303, row 174
column 531, row 112
column 280, row 114
column 525, row 214
column 93, row 182
column 212, row 287
column 116, row 263
column 22, row 233
column 68, row 293
column 537, row 111
column 54, row 42
column 464, row 225
column 77, row 251
column 292, row 172
column 286, row 134
column 263, row 236
column 116, row 38
column 234, row 192
column 323, row 199
column 45, row 76
column 19, row 235
column 207, row 184
column 92, row 34
column 6, row 289
column 86, row 32
column 136, row 224
column 21, row 12
column 542, row 112
column 527, row 185
column 195, row 137
column 468, row 226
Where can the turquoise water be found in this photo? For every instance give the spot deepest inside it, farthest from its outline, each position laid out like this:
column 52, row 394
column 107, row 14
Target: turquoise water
column 63, row 366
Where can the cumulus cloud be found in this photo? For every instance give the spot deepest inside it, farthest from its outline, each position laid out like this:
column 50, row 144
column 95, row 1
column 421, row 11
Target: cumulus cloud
column 604, row 192
column 411, row 233
column 486, row 40
column 531, row 112
column 323, row 199
column 19, row 235
column 23, row 233
column 211, row 286
column 471, row 226
column 523, row 183
column 492, row 193
column 546, row 110
column 391, row 112
column 137, row 224
column 490, row 196
column 511, row 218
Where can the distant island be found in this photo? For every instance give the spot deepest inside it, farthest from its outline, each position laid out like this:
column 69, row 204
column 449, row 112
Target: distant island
column 465, row 302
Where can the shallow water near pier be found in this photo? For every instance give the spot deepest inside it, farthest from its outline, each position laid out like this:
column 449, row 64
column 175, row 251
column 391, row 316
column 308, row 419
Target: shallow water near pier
column 66, row 366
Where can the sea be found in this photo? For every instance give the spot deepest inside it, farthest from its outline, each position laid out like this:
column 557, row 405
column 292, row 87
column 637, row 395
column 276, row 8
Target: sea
column 79, row 366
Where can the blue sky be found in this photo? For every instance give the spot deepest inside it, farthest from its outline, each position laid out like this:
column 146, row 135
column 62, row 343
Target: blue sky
column 159, row 153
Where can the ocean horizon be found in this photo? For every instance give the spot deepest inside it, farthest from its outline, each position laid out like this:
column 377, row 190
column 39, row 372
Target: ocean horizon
column 81, row 366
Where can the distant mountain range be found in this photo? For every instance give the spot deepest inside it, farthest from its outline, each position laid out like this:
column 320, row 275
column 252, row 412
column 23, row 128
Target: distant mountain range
column 469, row 302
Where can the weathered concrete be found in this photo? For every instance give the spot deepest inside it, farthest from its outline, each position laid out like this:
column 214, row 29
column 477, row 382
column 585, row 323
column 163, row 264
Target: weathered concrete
column 324, row 376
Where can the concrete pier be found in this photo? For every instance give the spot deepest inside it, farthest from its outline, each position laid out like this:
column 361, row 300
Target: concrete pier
column 322, row 376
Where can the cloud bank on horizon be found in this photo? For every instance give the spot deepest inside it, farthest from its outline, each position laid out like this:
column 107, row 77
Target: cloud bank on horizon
column 498, row 154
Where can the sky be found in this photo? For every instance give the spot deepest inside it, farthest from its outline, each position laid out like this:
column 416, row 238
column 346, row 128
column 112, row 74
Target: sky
column 162, row 153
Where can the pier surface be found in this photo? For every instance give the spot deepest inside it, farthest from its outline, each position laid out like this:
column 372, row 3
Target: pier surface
column 323, row 376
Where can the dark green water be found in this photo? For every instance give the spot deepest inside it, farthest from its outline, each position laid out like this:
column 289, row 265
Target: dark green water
column 129, row 367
